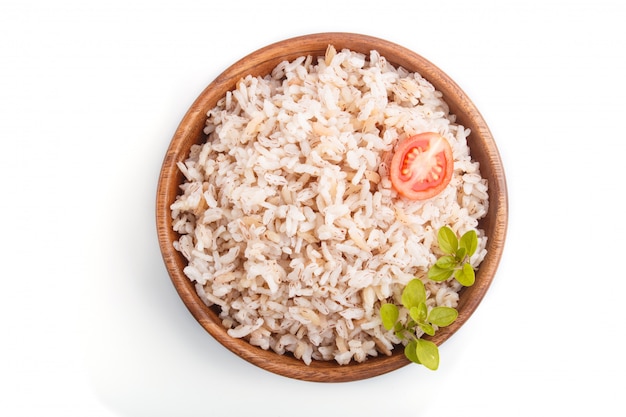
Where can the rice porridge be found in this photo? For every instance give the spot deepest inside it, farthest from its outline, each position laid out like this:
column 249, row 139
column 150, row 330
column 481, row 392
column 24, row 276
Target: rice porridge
column 287, row 216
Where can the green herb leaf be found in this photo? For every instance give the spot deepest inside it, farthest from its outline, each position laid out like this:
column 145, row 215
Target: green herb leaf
column 427, row 328
column 442, row 316
column 448, row 242
column 469, row 241
column 389, row 314
column 423, row 312
column 446, row 262
column 460, row 254
column 399, row 330
column 465, row 275
column 410, row 351
column 413, row 294
column 419, row 313
column 438, row 274
column 427, row 353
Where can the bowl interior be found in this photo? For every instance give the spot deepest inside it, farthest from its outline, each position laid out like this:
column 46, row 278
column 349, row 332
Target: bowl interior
column 261, row 62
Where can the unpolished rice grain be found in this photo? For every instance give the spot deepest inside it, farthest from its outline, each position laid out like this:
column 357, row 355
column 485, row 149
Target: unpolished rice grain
column 287, row 216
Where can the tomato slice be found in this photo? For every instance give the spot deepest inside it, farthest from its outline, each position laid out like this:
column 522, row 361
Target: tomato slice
column 421, row 166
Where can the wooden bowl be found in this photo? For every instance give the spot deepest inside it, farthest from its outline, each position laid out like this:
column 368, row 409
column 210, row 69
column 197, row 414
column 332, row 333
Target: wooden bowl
column 261, row 62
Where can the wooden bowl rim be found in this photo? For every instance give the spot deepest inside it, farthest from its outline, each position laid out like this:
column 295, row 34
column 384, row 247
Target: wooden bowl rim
column 261, row 62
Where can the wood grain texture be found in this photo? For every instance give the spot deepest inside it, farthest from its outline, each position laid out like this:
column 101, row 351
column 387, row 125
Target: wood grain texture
column 483, row 149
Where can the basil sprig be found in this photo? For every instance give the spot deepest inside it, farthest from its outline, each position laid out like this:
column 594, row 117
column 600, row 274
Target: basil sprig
column 455, row 261
column 456, row 258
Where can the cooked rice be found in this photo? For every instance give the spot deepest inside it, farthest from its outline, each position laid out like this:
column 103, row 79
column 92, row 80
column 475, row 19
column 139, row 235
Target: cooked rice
column 287, row 216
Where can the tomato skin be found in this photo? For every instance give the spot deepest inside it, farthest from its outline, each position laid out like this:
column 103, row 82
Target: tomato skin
column 421, row 166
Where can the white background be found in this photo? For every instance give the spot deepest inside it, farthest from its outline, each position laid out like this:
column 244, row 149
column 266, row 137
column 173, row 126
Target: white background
column 90, row 96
